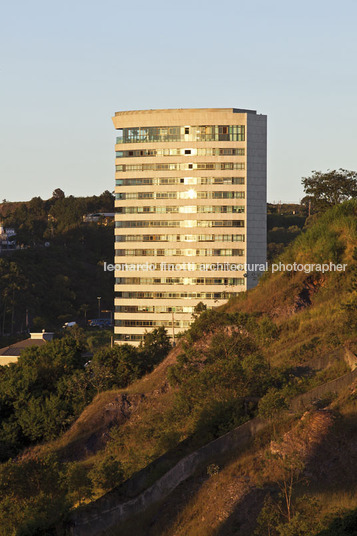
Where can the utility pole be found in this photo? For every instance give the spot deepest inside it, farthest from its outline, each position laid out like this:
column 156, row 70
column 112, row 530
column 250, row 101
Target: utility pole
column 99, row 298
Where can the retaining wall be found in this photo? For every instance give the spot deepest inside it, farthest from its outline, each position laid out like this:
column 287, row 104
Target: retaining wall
column 112, row 508
column 109, row 510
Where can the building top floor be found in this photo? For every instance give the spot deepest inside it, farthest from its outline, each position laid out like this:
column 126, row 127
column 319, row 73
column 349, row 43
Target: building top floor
column 186, row 110
column 181, row 116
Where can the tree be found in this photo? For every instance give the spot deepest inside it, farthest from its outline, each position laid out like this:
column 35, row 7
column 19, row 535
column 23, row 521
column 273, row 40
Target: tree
column 198, row 309
column 78, row 482
column 271, row 405
column 58, row 194
column 32, row 496
column 331, row 188
column 114, row 367
column 36, row 397
column 155, row 347
column 107, row 474
column 272, row 520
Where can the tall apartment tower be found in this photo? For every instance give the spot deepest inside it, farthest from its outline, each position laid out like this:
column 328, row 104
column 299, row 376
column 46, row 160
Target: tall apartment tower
column 190, row 213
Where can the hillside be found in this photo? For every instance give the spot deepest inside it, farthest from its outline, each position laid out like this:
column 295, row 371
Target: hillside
column 56, row 273
column 253, row 356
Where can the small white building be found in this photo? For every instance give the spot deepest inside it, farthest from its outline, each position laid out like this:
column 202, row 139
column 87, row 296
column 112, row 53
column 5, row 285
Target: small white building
column 10, row 354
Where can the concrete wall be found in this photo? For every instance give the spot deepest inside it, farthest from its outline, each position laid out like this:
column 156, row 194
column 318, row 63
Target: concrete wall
column 130, row 323
column 333, row 387
column 8, row 359
column 326, row 360
column 323, row 361
column 256, row 193
column 111, row 509
column 350, row 358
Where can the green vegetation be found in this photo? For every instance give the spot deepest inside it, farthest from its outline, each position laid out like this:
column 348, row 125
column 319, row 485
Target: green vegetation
column 38, row 220
column 343, row 525
column 247, row 358
column 58, row 283
column 277, row 331
column 49, row 387
column 285, row 222
column 325, row 190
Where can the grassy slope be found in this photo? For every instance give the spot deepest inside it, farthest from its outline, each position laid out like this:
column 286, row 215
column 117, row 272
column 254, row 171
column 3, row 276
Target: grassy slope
column 227, row 503
column 307, row 309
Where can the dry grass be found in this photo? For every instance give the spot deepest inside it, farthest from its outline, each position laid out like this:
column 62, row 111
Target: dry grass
column 227, row 503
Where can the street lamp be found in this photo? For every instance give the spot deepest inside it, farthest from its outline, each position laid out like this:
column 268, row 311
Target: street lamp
column 99, row 298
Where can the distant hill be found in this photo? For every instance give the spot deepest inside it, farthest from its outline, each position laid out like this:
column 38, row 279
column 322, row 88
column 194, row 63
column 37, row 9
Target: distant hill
column 7, row 208
column 57, row 274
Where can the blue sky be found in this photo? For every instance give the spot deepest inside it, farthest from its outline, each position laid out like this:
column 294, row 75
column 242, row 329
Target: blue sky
column 65, row 68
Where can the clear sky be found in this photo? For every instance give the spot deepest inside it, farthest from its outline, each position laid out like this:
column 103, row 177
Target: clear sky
column 66, row 67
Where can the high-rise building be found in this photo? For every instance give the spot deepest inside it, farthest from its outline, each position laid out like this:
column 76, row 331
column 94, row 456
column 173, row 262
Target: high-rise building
column 190, row 213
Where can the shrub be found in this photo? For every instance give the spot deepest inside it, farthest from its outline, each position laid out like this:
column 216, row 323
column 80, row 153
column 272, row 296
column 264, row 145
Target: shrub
column 107, row 474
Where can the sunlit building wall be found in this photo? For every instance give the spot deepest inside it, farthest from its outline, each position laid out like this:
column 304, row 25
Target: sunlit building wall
column 190, row 191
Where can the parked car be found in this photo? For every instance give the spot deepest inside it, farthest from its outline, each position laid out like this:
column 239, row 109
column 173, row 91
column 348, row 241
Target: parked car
column 100, row 323
column 69, row 325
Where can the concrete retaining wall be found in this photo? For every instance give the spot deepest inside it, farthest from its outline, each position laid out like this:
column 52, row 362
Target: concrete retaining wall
column 326, row 360
column 111, row 509
column 333, row 387
column 351, row 359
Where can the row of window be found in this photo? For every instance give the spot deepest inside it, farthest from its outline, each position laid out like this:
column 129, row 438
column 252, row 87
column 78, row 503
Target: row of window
column 153, row 309
column 182, row 166
column 129, row 337
column 166, row 181
column 180, row 223
column 232, row 281
column 188, row 266
column 190, row 194
column 173, row 295
column 151, row 323
column 180, row 238
column 175, row 209
column 192, row 133
column 179, row 252
column 207, row 151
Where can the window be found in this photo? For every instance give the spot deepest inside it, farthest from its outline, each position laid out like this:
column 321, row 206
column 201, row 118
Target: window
column 179, row 166
column 179, row 180
column 179, row 252
column 194, row 133
column 180, row 223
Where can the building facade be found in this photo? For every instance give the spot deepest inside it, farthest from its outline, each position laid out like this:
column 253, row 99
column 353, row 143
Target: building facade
column 190, row 213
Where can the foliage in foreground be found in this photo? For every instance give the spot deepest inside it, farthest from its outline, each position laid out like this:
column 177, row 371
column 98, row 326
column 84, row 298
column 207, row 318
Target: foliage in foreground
column 37, row 494
column 219, row 378
column 49, row 387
